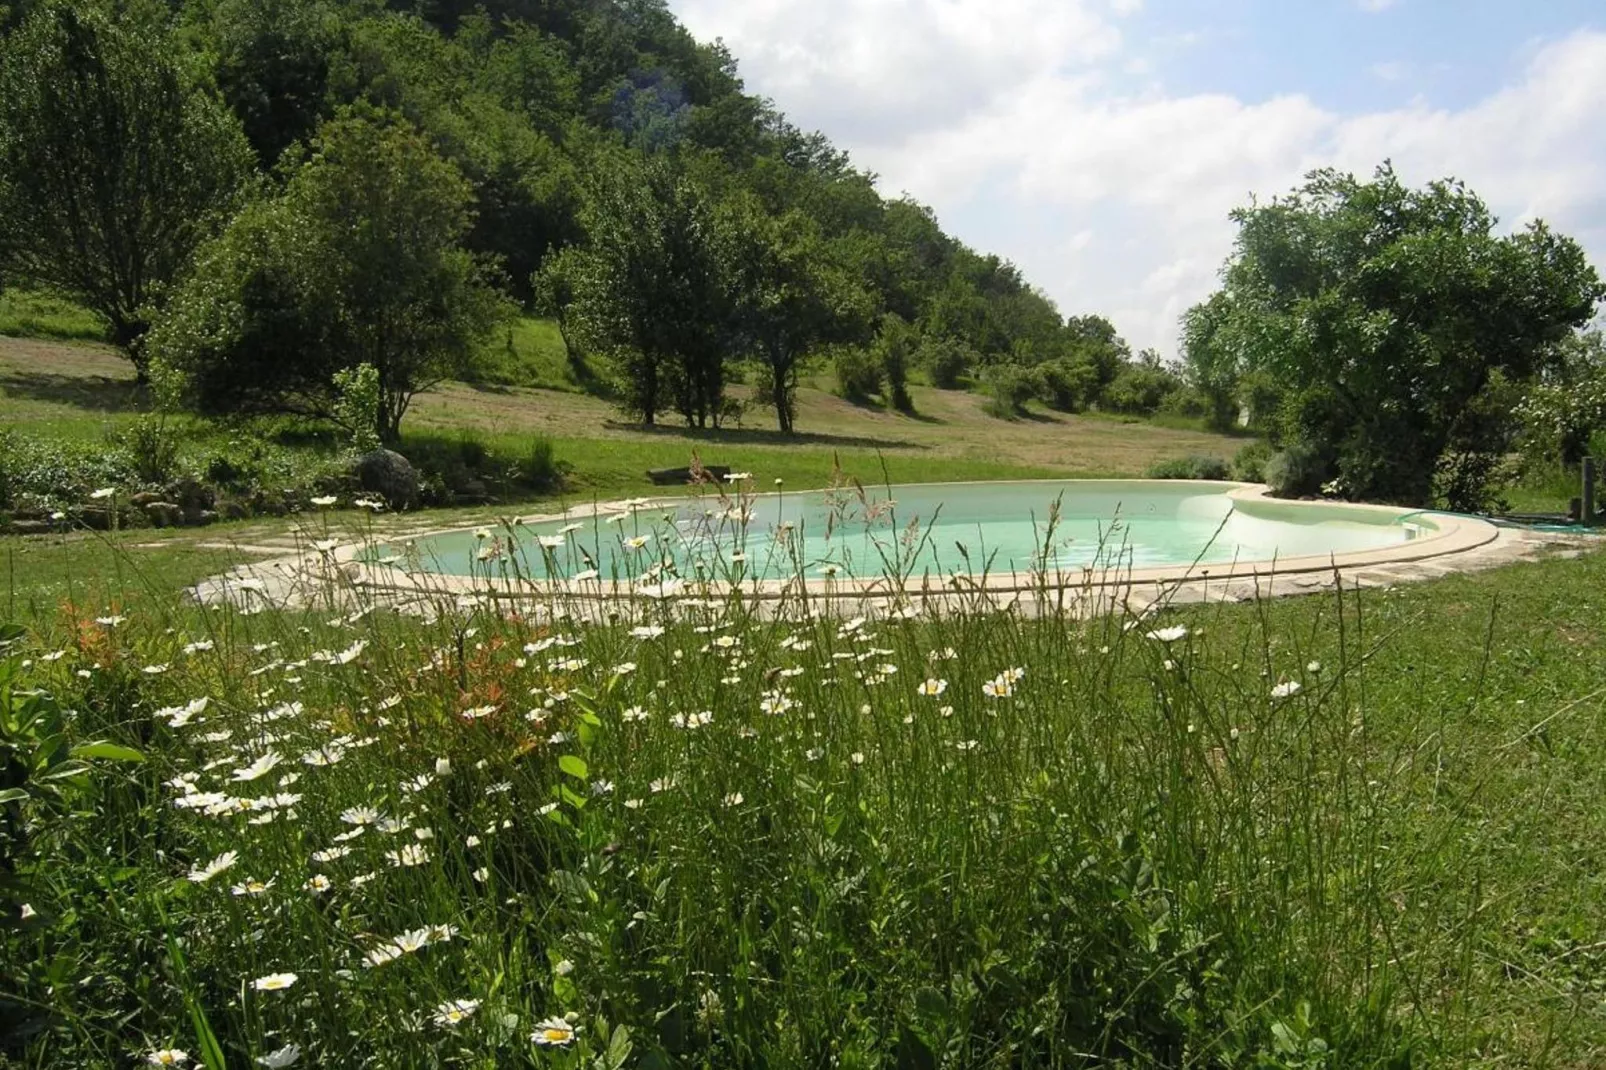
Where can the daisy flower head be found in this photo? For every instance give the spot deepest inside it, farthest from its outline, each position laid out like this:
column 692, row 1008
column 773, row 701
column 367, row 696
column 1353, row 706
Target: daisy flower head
column 167, row 1057
column 932, row 688
column 1169, row 635
column 274, row 982
column 214, row 867
column 455, row 1012
column 1286, row 689
column 288, row 1055
column 554, row 1033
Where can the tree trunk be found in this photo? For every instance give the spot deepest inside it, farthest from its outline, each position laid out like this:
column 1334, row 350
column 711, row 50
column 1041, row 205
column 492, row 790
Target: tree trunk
column 780, row 392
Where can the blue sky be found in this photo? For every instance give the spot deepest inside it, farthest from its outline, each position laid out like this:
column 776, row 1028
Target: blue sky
column 1100, row 144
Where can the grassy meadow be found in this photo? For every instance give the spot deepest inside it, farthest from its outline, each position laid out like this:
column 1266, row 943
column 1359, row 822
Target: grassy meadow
column 1356, row 830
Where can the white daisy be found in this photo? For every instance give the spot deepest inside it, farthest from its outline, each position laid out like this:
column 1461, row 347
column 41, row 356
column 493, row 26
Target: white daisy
column 274, row 982
column 214, row 867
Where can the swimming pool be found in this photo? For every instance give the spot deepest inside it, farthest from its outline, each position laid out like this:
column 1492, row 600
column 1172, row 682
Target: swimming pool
column 919, row 530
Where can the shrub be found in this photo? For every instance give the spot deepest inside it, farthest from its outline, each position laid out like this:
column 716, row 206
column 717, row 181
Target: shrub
column 1196, row 466
column 858, row 374
column 1009, row 388
column 1066, row 385
column 152, row 449
column 1140, row 389
column 541, row 469
column 1249, row 464
column 946, row 362
column 1298, row 470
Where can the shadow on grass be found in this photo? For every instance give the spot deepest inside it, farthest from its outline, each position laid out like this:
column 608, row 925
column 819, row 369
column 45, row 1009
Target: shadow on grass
column 94, row 393
column 752, row 436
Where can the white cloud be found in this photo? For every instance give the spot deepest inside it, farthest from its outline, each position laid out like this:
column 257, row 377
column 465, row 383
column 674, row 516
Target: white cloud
column 1002, row 115
column 1391, row 71
column 1374, row 5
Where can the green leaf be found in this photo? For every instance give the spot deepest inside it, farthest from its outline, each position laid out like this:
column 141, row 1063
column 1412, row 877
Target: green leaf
column 12, row 795
column 619, row 1048
column 575, row 766
column 112, row 752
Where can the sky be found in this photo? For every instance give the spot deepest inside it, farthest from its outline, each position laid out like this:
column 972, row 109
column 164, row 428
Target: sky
column 1101, row 144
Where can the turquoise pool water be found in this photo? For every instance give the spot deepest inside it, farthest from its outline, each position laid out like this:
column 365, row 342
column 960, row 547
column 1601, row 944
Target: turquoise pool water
column 934, row 529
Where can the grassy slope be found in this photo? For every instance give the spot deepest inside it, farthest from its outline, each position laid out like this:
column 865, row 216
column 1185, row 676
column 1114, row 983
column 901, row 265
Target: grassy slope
column 83, row 392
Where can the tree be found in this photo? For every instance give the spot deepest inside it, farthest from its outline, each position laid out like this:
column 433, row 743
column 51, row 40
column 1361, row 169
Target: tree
column 1383, row 314
column 358, row 261
column 272, row 67
column 651, row 288
column 791, row 297
column 113, row 167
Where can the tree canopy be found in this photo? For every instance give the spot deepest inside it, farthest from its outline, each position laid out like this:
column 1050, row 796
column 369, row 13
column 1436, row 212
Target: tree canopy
column 1381, row 315
column 114, row 163
column 359, row 260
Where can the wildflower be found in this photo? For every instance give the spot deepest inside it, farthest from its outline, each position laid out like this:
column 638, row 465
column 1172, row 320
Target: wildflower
column 285, row 1056
column 829, row 570
column 214, row 867
column 155, row 670
column 317, row 884
column 554, row 1032
column 634, row 713
column 324, row 546
column 350, row 654
column 481, row 875
column 454, row 1013
column 1313, row 667
column 694, row 720
column 1286, row 689
column 482, row 534
column 932, row 688
column 167, row 1057
column 636, row 542
column 324, row 501
column 198, row 646
column 418, row 783
column 857, row 757
column 413, row 854
column 998, row 687
column 360, row 815
column 369, row 503
column 258, row 768
column 110, row 622
column 179, row 716
column 550, row 542
column 734, row 799
column 646, row 631
column 474, row 713
column 331, row 854
column 586, row 574
column 103, row 493
column 251, row 888
column 661, row 784
column 814, row 754
column 776, row 703
column 274, row 982
column 1169, row 635
column 966, row 744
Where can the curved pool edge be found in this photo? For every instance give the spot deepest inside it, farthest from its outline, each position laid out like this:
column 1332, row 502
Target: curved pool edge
column 1451, row 534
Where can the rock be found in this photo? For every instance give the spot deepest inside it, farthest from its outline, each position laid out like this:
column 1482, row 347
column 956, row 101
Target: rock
column 234, row 510
column 389, row 475
column 472, row 491
column 94, row 517
column 192, row 494
column 164, row 514
column 145, row 499
column 30, row 527
column 196, row 518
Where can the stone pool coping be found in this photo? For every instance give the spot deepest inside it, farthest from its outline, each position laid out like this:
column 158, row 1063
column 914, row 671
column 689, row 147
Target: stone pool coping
column 1443, row 536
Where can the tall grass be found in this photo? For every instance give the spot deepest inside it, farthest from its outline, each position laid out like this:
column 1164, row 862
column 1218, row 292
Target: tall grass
column 718, row 832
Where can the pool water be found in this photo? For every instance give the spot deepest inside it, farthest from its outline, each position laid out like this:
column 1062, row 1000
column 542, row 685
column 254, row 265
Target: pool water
column 915, row 530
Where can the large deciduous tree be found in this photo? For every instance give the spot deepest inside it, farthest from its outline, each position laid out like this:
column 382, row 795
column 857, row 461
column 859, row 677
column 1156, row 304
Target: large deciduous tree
column 1383, row 314
column 113, row 166
column 358, row 261
column 652, row 290
column 791, row 296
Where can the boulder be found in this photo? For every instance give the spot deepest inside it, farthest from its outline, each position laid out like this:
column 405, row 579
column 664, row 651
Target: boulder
column 145, row 499
column 389, row 475
column 191, row 494
column 234, row 510
column 164, row 514
column 198, row 518
column 30, row 527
